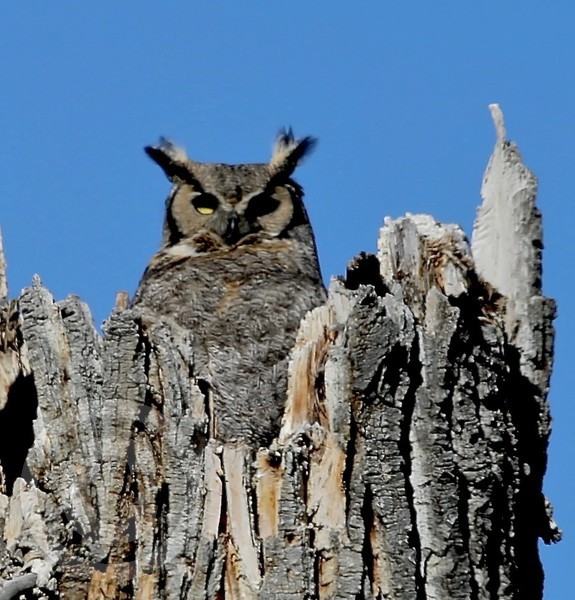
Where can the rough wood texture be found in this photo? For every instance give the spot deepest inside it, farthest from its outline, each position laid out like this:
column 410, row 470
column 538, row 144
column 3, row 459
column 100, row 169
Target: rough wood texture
column 409, row 464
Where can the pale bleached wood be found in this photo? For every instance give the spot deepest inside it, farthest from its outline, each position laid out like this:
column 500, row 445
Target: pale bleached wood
column 243, row 568
column 17, row 586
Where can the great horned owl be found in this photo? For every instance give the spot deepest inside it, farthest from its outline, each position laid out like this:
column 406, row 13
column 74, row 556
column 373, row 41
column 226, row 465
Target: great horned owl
column 238, row 268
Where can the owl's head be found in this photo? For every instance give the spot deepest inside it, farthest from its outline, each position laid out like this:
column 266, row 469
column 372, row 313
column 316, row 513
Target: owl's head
column 217, row 206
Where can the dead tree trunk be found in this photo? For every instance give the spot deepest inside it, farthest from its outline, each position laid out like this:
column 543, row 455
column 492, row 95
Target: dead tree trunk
column 409, row 464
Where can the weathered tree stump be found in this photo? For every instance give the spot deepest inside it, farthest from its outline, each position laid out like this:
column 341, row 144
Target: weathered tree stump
column 411, row 455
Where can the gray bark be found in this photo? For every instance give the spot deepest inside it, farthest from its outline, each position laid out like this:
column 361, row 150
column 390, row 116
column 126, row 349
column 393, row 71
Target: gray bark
column 409, row 464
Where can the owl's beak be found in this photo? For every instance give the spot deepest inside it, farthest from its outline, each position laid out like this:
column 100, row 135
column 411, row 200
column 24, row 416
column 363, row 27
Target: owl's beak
column 232, row 232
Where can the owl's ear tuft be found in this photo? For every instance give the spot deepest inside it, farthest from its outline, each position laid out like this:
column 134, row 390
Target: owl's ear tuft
column 289, row 152
column 172, row 159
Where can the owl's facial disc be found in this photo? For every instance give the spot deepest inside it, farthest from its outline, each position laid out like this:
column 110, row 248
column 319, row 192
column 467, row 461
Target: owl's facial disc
column 234, row 218
column 227, row 223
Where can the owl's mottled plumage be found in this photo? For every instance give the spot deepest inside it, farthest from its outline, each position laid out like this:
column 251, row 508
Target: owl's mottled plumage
column 238, row 268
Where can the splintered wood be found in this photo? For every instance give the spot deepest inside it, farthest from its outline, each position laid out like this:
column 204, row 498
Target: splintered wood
column 409, row 463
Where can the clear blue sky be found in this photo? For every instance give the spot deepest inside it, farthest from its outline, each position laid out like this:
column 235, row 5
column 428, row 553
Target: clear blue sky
column 397, row 93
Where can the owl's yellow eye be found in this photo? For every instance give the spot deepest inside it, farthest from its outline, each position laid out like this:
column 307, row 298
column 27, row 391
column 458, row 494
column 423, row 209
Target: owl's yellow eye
column 204, row 210
column 205, row 204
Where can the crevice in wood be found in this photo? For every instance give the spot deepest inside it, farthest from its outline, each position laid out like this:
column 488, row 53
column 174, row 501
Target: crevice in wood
column 531, row 421
column 317, row 566
column 301, row 463
column 531, row 522
column 145, row 349
column 161, row 533
column 75, row 534
column 223, row 518
column 391, row 370
column 16, row 429
column 367, row 550
column 495, row 542
column 364, row 269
